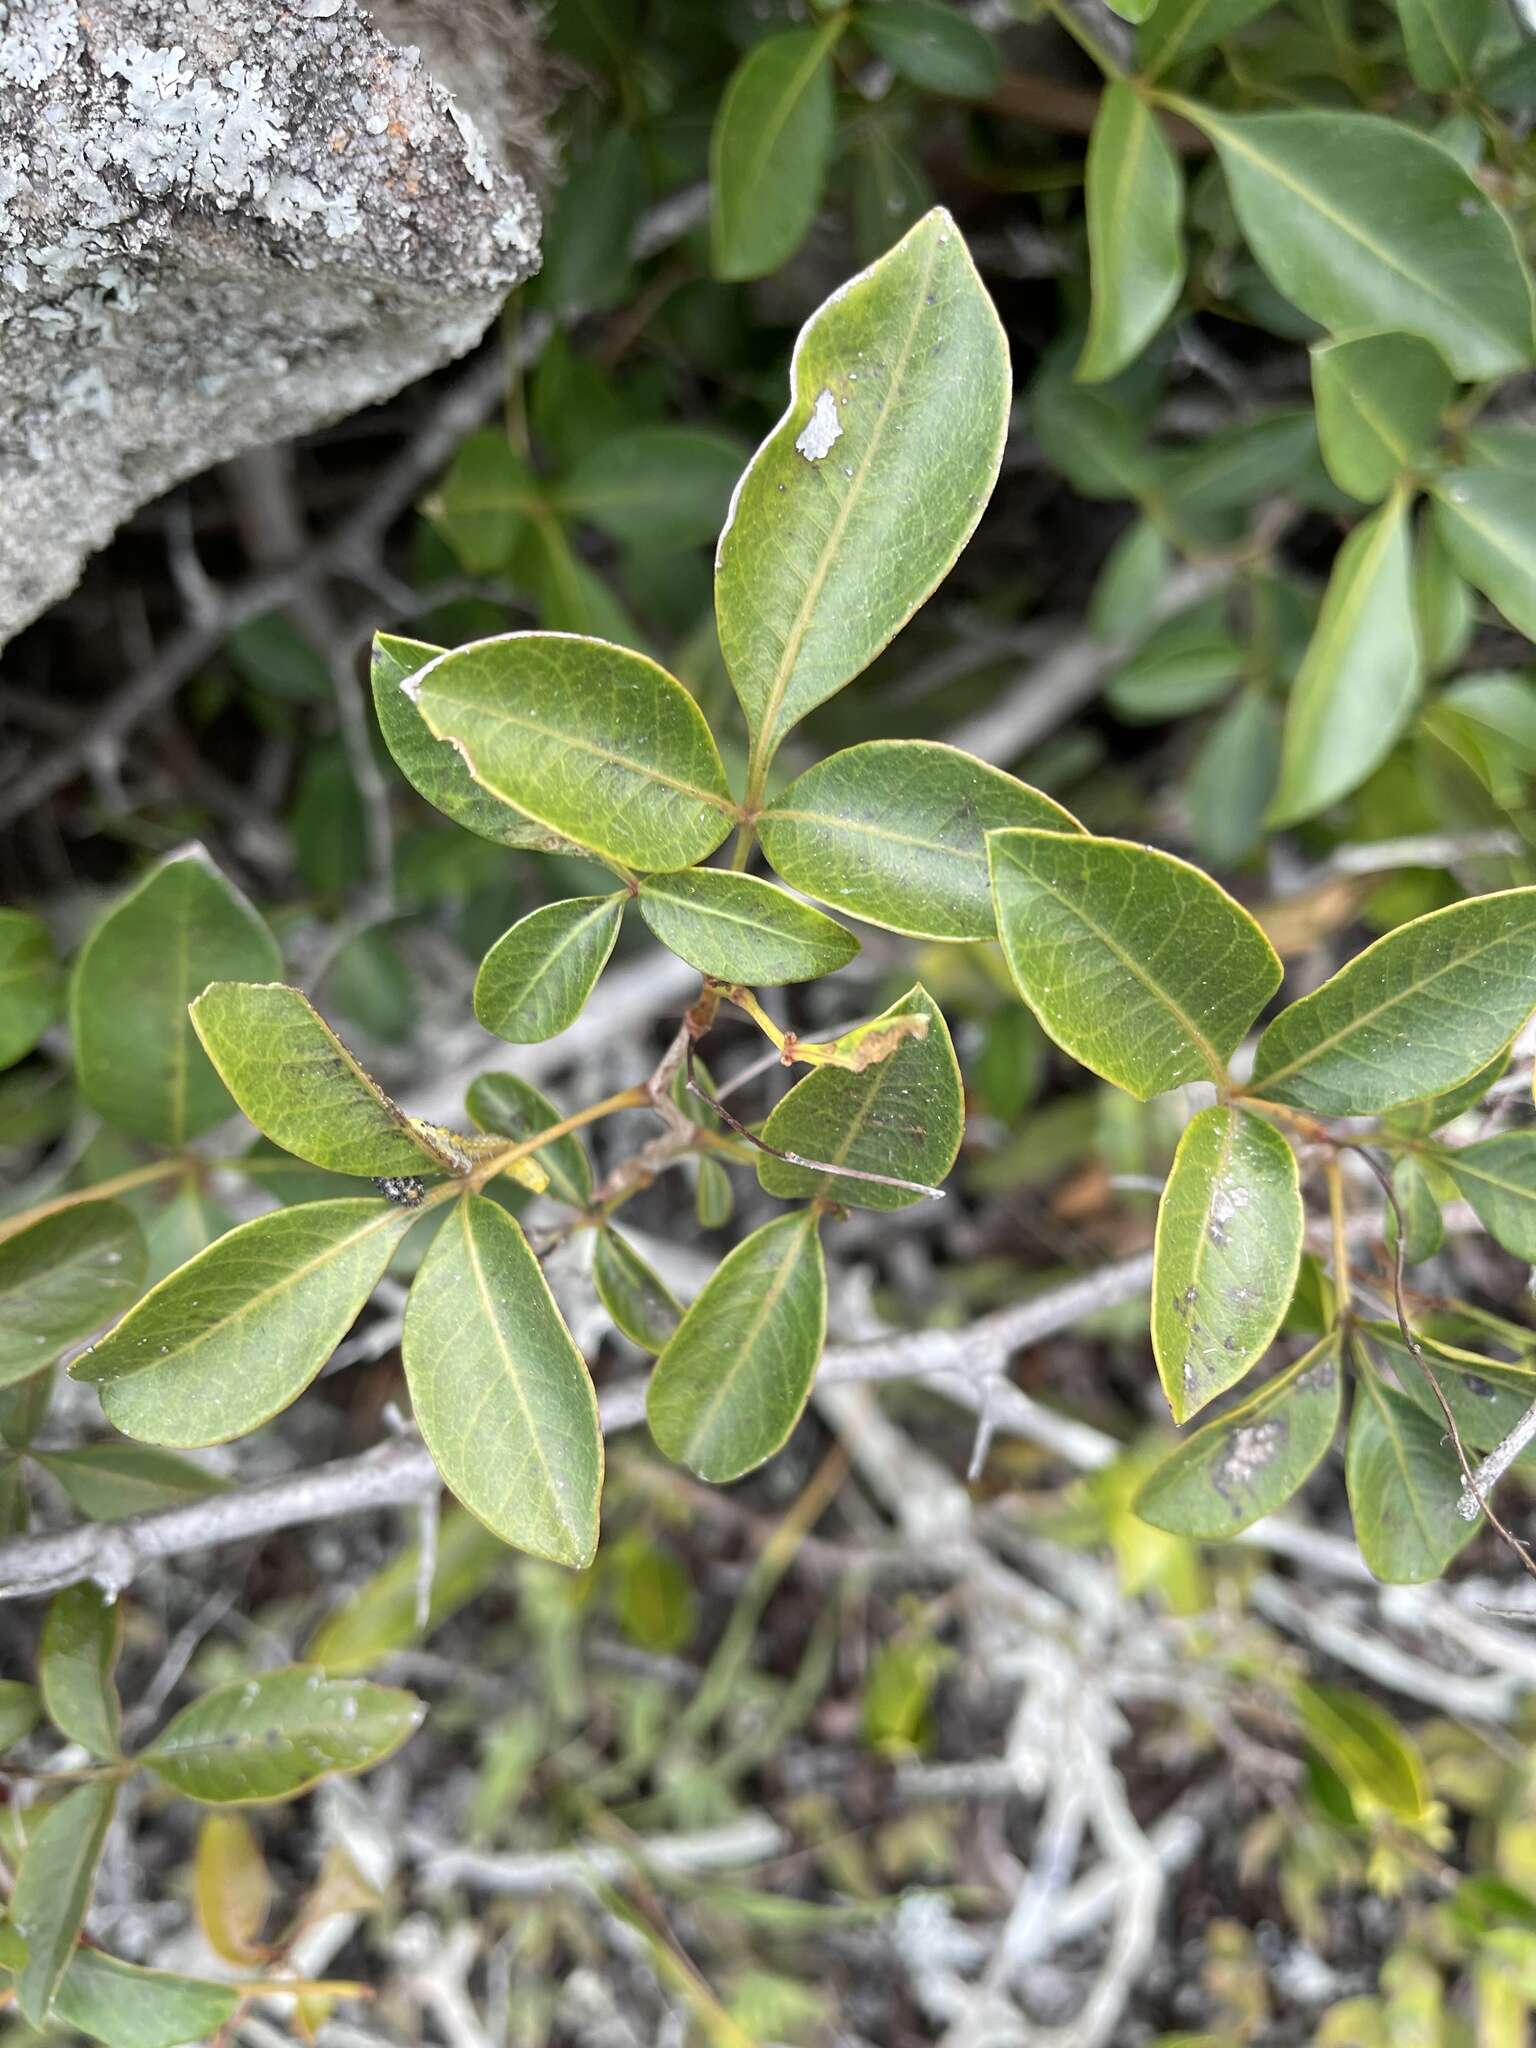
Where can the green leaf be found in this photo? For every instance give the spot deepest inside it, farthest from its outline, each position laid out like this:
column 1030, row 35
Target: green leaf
column 483, row 505
column 1366, row 224
column 1229, row 1235
column 714, row 1197
column 894, row 832
column 1134, row 962
column 932, row 45
column 1248, row 1462
column 1361, row 677
column 123, row 2006
column 435, row 771
column 639, row 1300
column 594, row 741
column 380, row 1617
column 82, row 1635
column 1176, row 29
column 1443, row 38
column 501, row 1394
column 655, row 487
column 899, row 399
column 1379, row 398
column 1498, row 1177
column 1233, row 778
column 1090, row 438
column 1183, row 665
column 31, row 984
column 769, row 151
column 62, row 1278
column 535, row 981
column 1135, row 206
column 1412, row 1016
column 1418, row 1119
column 24, row 1407
column 731, row 1384
column 137, row 1059
column 104, row 1482
column 513, row 1108
column 273, row 1735
column 1128, row 586
column 588, row 265
column 1443, row 604
column 1487, row 521
column 300, row 1086
column 1486, row 1396
column 1424, row 1227
column 53, row 1889
column 1369, row 1751
column 903, row 1115
column 230, row 1339
column 20, row 1711
column 740, row 928
column 1404, row 1483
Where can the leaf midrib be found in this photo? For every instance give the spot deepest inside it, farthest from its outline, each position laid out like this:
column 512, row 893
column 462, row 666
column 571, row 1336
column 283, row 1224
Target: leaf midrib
column 1111, row 945
column 1368, row 1017
column 490, row 1317
column 289, row 1279
column 1310, row 197
column 704, row 1422
column 800, row 626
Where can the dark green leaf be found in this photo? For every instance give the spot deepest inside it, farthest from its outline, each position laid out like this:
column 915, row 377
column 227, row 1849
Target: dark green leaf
column 640, row 1302
column 1367, row 225
column 903, row 1115
column 1229, row 1235
column 513, row 1108
column 594, row 741
column 104, row 1482
column 1130, row 583
column 730, row 1386
column 1498, row 1177
column 228, row 1341
column 81, row 1638
column 1248, row 1462
column 894, row 832
column 535, row 981
column 62, row 1278
column 31, row 984
column 1415, row 1014
column 1361, row 677
column 1176, row 29
column 900, row 396
column 1233, row 779
column 769, row 150
column 1135, row 204
column 1443, row 37
column 500, row 1392
column 1134, row 962
column 1379, row 399
column 1404, row 1483
column 932, row 45
column 482, row 507
column 53, row 1889
column 1183, row 665
column 587, row 260
column 268, row 1737
column 740, row 928
column 123, row 2006
column 1424, row 1227
column 20, row 1711
column 659, row 487
column 1487, row 521
column 137, row 1058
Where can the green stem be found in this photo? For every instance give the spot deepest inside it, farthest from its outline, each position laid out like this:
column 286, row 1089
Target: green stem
column 101, row 1191
column 1084, row 37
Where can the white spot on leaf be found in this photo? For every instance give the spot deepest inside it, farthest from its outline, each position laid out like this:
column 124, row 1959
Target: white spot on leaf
column 821, row 430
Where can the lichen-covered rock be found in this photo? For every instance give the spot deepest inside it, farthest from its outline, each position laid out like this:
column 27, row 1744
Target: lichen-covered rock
column 222, row 222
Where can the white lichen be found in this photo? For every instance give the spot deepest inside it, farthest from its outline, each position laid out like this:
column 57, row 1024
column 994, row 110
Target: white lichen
column 822, row 431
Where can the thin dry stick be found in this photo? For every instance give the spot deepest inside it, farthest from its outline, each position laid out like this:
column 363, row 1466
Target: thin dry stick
column 883, row 1180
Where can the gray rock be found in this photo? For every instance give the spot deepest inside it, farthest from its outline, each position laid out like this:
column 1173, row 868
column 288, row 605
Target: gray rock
column 222, row 222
